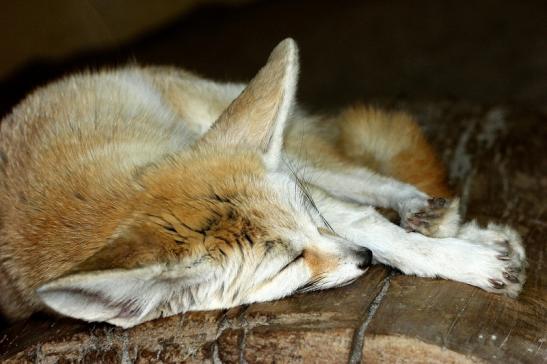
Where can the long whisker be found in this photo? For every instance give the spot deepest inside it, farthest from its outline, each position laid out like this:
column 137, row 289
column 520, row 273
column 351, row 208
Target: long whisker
column 311, row 285
column 305, row 194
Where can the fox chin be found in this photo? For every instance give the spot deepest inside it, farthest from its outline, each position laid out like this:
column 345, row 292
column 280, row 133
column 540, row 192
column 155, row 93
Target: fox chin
column 142, row 192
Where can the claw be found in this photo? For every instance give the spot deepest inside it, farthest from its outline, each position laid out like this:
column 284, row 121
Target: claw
column 417, row 222
column 496, row 283
column 504, row 256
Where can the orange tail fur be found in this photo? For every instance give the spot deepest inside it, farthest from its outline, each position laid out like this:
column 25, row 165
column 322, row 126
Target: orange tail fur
column 392, row 144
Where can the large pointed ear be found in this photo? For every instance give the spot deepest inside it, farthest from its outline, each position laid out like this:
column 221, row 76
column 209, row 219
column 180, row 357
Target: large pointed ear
column 256, row 118
column 127, row 282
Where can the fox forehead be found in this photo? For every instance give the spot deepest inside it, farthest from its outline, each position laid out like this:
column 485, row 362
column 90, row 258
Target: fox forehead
column 220, row 178
column 212, row 202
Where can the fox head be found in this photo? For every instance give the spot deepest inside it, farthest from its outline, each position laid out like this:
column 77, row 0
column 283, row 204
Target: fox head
column 217, row 226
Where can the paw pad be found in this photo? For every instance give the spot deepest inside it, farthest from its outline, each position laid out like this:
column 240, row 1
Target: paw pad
column 504, row 271
column 427, row 219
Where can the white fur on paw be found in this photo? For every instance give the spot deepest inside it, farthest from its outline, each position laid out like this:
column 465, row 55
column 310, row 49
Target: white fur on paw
column 502, row 259
column 435, row 217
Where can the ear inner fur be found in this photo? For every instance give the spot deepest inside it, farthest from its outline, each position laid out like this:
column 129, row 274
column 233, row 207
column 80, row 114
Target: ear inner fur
column 257, row 117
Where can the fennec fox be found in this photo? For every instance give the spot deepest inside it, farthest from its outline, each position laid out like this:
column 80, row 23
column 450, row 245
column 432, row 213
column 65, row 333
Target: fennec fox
column 137, row 193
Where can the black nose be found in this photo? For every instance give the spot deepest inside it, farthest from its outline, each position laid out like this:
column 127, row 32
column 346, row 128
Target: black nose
column 364, row 256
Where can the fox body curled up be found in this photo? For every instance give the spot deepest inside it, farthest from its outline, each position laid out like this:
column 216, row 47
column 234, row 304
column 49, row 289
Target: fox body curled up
column 136, row 193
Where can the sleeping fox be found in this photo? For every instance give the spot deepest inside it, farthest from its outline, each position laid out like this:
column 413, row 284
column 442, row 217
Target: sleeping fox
column 142, row 192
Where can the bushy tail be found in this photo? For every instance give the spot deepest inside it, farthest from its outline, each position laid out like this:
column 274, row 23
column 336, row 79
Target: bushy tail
column 392, row 144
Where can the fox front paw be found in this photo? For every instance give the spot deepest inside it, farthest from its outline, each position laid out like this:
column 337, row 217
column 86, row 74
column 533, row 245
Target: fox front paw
column 436, row 217
column 503, row 267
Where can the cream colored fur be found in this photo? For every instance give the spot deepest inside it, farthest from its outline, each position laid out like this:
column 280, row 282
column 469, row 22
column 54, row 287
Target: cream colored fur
column 141, row 192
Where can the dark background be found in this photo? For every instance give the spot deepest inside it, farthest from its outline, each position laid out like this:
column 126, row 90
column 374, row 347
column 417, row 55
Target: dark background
column 485, row 52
